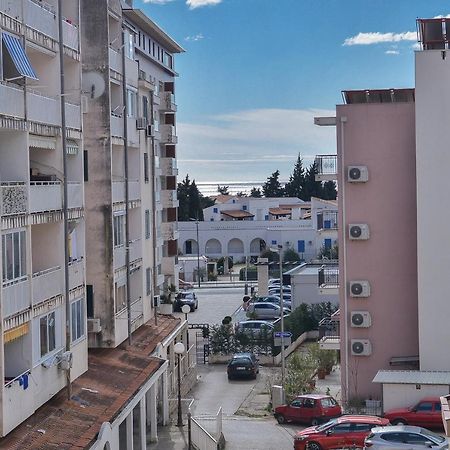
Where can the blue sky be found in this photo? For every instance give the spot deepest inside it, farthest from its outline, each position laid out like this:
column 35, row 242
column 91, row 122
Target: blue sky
column 256, row 72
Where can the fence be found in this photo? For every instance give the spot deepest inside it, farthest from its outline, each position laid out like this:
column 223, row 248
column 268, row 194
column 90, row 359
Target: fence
column 202, row 439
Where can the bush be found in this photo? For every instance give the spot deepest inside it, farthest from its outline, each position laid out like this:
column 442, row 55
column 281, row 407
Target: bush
column 252, row 274
column 299, row 375
column 221, row 265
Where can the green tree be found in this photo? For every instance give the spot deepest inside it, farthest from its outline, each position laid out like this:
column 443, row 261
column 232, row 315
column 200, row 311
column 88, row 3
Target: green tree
column 272, row 187
column 329, row 190
column 290, row 255
column 295, row 186
column 255, row 192
column 191, row 201
column 311, row 187
column 183, row 196
column 223, row 190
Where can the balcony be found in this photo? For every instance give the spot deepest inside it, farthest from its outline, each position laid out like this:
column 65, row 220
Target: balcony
column 16, row 296
column 135, row 253
column 14, row 198
column 326, row 166
column 75, row 195
column 168, row 265
column 116, row 125
column 43, row 109
column 41, row 16
column 168, row 167
column 133, row 133
column 135, row 250
column 328, row 280
column 169, row 231
column 169, row 199
column 168, row 134
column 47, row 284
column 45, row 196
column 131, row 72
column 73, row 116
column 115, row 61
column 329, row 335
column 11, row 100
column 168, row 102
column 327, row 220
column 70, row 35
column 76, row 273
column 118, row 191
column 146, row 81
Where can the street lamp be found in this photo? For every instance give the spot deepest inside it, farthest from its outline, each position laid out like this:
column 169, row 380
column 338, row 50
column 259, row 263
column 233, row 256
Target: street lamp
column 198, row 251
column 186, row 309
column 279, row 250
column 179, row 349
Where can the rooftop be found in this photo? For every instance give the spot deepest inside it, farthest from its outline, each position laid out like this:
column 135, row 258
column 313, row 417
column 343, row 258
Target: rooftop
column 237, row 213
column 412, row 377
column 98, row 395
column 378, row 96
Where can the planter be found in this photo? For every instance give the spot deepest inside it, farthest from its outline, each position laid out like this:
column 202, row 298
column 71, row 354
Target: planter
column 165, row 308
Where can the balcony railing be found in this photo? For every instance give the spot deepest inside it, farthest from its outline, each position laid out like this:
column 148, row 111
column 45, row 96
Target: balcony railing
column 115, row 60
column 328, row 327
column 116, row 125
column 11, row 100
column 70, row 35
column 43, row 109
column 169, row 199
column 41, row 17
column 169, row 231
column 73, row 115
column 135, row 250
column 75, row 194
column 327, row 220
column 76, row 273
column 47, row 283
column 16, row 296
column 135, row 253
column 326, row 166
column 168, row 101
column 168, row 167
column 328, row 276
column 168, row 134
column 118, row 191
column 45, row 196
column 14, row 198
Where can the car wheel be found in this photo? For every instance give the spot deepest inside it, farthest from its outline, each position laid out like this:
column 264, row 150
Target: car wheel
column 280, row 418
column 399, row 422
column 313, row 446
column 315, row 422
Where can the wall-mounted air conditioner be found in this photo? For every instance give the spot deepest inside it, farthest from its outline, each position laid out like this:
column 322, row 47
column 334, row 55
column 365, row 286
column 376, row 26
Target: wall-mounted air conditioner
column 357, row 174
column 141, row 123
column 359, row 288
column 361, row 347
column 358, row 231
column 360, row 319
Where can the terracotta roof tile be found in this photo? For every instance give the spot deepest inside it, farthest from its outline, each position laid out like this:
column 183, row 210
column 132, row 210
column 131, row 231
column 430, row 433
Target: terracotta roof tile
column 237, row 213
column 98, row 396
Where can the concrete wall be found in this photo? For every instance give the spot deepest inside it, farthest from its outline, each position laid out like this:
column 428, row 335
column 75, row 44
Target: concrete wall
column 305, row 289
column 433, row 160
column 382, row 137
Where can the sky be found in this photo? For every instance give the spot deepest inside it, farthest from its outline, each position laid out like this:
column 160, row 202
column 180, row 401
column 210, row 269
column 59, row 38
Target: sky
column 256, row 72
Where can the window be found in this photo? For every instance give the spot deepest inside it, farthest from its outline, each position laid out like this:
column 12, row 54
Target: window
column 145, row 106
column 147, row 224
column 14, row 255
column 129, row 45
column 148, row 281
column 146, row 178
column 244, row 207
column 362, row 427
column 425, row 407
column 274, row 242
column 119, row 230
column 301, row 246
column 47, row 333
column 121, row 296
column 215, row 210
column 266, row 217
column 77, row 319
column 327, row 243
column 342, row 428
column 153, row 49
column 131, row 103
column 85, row 165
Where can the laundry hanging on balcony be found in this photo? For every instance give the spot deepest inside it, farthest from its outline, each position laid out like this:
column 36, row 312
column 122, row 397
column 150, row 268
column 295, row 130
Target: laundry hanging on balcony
column 19, row 58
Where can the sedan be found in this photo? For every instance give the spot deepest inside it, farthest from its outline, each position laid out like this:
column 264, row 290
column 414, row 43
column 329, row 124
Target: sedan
column 343, row 432
column 243, row 365
column 273, row 299
column 404, row 437
column 266, row 311
column 186, row 298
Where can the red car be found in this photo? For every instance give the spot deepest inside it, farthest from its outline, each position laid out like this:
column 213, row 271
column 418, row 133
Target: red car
column 309, row 408
column 343, row 432
column 426, row 413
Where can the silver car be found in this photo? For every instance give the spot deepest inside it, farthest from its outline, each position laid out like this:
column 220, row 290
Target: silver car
column 404, row 437
column 263, row 310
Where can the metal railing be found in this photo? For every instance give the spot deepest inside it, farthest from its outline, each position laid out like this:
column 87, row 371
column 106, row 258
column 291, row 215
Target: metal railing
column 328, row 276
column 326, row 164
column 327, row 220
column 328, row 328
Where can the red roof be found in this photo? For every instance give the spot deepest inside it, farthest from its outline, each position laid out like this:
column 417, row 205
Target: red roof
column 113, row 377
column 237, row 213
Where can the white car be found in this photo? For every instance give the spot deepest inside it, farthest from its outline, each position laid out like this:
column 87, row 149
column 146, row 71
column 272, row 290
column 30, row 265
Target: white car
column 404, row 437
column 263, row 310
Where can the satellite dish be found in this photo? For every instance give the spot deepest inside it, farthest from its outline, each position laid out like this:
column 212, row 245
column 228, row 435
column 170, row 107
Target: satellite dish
column 93, row 84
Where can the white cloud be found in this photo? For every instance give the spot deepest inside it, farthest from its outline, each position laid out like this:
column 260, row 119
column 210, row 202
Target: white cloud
column 442, row 17
column 199, row 3
column 195, row 38
column 392, row 52
column 377, row 38
column 252, row 144
column 158, row 2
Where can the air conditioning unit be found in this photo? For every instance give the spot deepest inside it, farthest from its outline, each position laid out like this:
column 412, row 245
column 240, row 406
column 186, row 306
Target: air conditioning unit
column 358, row 231
column 357, row 174
column 65, row 361
column 150, row 130
column 94, row 326
column 361, row 319
column 156, row 301
column 360, row 288
column 361, row 347
column 141, row 123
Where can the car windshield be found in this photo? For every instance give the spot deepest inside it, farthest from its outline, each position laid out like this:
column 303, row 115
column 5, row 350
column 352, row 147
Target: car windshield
column 240, row 361
column 432, row 436
column 327, row 425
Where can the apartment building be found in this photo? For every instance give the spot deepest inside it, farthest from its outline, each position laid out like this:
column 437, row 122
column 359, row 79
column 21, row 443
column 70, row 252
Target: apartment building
column 40, row 149
column 241, row 227
column 391, row 160
column 130, row 176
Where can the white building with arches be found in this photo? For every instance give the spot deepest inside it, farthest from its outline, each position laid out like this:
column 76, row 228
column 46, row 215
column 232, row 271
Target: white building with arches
column 241, row 227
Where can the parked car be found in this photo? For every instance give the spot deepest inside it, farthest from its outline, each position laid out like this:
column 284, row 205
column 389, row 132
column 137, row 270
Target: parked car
column 308, row 408
column 273, row 299
column 426, row 413
column 186, row 298
column 343, row 432
column 263, row 310
column 255, row 328
column 243, row 365
column 277, row 291
column 404, row 437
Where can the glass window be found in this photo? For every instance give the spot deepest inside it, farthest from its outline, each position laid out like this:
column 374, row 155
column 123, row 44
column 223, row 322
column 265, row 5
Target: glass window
column 360, row 427
column 215, row 210
column 413, row 438
column 145, row 106
column 77, row 319
column 296, row 403
column 148, row 281
column 342, row 428
column 119, row 226
column 47, row 333
column 146, row 178
column 147, row 224
column 129, row 45
column 437, row 406
column 131, row 103
column 328, row 402
column 14, row 255
column 424, row 407
column 393, row 437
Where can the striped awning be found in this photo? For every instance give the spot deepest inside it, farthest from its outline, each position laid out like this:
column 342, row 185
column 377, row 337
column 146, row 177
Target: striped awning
column 16, row 332
column 43, row 142
column 18, row 56
column 71, row 147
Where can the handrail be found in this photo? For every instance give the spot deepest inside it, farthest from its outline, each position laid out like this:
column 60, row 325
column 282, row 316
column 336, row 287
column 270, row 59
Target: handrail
column 45, row 271
column 45, row 183
column 18, row 280
column 9, row 383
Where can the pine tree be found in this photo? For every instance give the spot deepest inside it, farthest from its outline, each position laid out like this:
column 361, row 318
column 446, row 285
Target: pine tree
column 329, row 190
column 255, row 192
column 183, row 195
column 295, row 185
column 223, row 190
column 272, row 187
column 311, row 187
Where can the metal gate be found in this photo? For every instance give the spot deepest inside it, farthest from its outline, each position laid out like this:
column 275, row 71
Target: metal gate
column 201, row 341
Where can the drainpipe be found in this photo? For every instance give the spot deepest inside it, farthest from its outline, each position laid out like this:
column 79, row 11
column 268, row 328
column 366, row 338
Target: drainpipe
column 65, row 197
column 125, row 164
